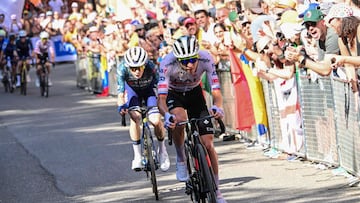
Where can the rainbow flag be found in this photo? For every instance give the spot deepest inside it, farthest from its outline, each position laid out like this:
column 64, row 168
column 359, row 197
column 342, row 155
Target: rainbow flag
column 250, row 103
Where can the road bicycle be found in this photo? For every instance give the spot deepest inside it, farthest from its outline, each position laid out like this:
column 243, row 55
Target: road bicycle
column 150, row 156
column 23, row 74
column 44, row 77
column 201, row 184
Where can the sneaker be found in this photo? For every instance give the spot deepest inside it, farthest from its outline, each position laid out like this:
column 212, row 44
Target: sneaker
column 28, row 79
column 18, row 83
column 181, row 172
column 137, row 165
column 164, row 161
column 37, row 82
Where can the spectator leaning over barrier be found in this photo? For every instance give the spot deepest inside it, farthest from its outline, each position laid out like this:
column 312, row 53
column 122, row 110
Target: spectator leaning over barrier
column 347, row 26
column 136, row 78
column 327, row 43
column 27, row 22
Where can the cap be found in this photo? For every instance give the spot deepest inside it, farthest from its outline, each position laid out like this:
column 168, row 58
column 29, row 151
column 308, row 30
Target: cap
column 262, row 42
column 285, row 4
column 290, row 29
column 233, row 16
column 189, row 20
column 93, row 29
column 13, row 17
column 139, row 27
column 289, row 16
column 74, row 5
column 49, row 13
column 311, row 6
column 313, row 15
column 42, row 15
column 254, row 6
column 339, row 11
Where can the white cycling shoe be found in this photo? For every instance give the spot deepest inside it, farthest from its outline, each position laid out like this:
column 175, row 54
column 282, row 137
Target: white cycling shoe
column 137, row 165
column 164, row 161
column 181, row 172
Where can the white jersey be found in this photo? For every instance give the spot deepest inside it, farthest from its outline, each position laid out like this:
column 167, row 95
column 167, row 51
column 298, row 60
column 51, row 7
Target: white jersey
column 172, row 76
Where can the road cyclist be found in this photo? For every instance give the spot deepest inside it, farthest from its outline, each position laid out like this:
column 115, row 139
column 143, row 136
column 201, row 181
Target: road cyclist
column 137, row 78
column 181, row 98
column 44, row 51
column 24, row 49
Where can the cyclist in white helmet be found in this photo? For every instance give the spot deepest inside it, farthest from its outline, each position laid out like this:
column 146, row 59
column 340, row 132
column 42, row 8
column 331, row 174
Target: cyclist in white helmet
column 43, row 48
column 137, row 77
column 181, row 97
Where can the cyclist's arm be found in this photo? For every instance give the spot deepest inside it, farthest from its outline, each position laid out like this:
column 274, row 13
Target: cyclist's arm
column 163, row 86
column 52, row 52
column 120, row 75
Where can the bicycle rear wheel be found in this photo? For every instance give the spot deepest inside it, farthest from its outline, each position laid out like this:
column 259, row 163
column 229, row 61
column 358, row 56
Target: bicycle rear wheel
column 208, row 186
column 46, row 91
column 151, row 160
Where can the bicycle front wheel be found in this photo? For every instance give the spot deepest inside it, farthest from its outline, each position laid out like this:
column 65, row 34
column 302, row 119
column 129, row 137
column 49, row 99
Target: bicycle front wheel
column 151, row 160
column 208, row 186
column 23, row 81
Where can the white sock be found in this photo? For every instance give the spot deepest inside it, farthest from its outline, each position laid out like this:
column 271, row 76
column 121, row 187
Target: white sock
column 137, row 151
column 162, row 146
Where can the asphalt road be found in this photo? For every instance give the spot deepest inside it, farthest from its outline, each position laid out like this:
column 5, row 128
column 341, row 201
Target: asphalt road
column 71, row 147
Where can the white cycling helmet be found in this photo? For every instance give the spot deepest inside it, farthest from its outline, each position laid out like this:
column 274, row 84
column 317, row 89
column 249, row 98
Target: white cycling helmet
column 2, row 33
column 186, row 46
column 44, row 34
column 22, row 33
column 135, row 57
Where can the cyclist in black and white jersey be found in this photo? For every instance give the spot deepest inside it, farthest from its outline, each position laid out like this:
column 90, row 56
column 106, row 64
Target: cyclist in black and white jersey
column 43, row 48
column 181, row 97
column 24, row 49
column 137, row 77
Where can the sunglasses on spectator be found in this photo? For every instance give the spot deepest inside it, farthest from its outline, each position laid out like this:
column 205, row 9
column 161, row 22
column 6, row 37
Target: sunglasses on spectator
column 186, row 61
column 134, row 69
column 308, row 24
column 263, row 50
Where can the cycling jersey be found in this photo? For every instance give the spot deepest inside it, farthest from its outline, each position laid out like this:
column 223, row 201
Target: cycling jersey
column 172, row 76
column 41, row 48
column 9, row 50
column 24, row 48
column 148, row 80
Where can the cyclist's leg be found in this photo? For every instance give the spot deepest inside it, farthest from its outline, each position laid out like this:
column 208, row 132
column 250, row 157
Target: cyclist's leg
column 155, row 119
column 134, row 129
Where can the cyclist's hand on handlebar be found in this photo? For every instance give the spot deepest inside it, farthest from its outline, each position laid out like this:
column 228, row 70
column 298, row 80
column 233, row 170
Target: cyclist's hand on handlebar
column 122, row 109
column 169, row 120
column 218, row 112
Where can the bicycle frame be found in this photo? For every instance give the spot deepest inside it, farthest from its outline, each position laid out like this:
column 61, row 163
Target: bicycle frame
column 150, row 157
column 23, row 74
column 201, row 185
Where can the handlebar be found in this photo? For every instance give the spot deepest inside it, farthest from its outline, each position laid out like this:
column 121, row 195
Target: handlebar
column 192, row 120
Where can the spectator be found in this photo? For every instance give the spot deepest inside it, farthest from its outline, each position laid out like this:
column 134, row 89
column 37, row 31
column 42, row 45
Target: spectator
column 56, row 5
column 15, row 25
column 2, row 23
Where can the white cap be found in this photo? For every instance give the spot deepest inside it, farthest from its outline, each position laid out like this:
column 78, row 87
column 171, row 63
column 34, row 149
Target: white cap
column 74, row 5
column 93, row 29
column 13, row 17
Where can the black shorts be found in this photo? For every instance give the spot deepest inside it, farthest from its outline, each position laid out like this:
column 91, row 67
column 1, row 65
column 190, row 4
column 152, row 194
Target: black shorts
column 194, row 102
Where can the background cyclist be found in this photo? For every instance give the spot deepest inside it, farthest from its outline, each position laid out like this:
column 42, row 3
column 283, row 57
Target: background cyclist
column 24, row 49
column 42, row 49
column 9, row 53
column 137, row 78
column 180, row 91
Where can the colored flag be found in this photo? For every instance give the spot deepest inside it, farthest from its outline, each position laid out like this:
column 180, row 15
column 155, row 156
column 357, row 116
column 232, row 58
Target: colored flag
column 249, row 98
column 245, row 118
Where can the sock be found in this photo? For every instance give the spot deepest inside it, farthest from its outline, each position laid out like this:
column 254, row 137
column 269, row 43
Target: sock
column 137, row 151
column 180, row 151
column 162, row 146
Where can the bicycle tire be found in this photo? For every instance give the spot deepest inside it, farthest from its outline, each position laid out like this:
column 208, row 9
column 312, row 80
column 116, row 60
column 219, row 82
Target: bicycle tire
column 23, row 81
column 192, row 186
column 208, row 186
column 46, row 86
column 151, row 162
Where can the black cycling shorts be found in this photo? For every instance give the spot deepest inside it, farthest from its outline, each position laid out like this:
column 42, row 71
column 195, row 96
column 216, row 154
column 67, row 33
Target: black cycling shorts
column 194, row 102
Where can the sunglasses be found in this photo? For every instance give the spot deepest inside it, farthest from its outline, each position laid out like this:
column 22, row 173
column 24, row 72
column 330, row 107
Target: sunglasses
column 186, row 61
column 134, row 69
column 310, row 24
column 263, row 50
column 189, row 24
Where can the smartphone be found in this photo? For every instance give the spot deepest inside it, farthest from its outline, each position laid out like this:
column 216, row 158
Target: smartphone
column 227, row 38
